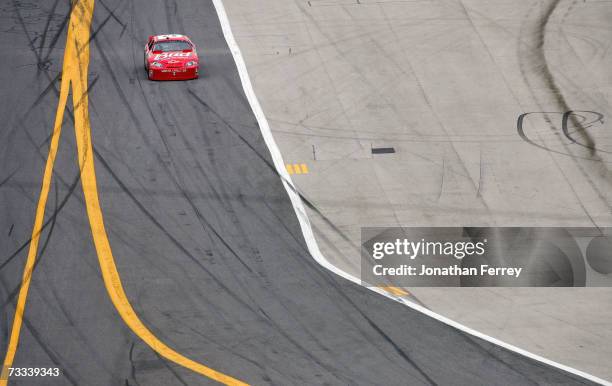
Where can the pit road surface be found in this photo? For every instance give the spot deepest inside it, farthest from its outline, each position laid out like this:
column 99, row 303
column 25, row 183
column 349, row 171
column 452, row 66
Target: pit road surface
column 204, row 237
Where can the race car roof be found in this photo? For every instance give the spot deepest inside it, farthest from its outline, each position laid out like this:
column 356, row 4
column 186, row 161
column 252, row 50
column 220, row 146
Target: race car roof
column 170, row 37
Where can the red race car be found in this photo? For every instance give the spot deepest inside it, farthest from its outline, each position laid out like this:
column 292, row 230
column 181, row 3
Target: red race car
column 171, row 57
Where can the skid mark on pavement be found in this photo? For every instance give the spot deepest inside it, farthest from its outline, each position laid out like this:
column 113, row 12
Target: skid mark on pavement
column 74, row 73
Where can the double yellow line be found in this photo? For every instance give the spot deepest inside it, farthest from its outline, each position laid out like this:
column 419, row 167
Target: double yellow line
column 75, row 75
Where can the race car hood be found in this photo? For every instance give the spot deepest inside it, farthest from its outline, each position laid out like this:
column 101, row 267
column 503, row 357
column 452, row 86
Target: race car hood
column 174, row 57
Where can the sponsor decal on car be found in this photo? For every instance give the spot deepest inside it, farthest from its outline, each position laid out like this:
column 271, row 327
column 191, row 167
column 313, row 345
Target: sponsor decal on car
column 167, row 55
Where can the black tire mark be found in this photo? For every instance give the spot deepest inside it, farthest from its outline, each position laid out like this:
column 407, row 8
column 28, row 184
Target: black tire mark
column 41, row 253
column 50, row 221
column 56, row 37
column 114, row 16
column 16, row 6
column 46, row 29
column 548, row 76
column 176, row 375
column 581, row 129
column 7, row 178
column 132, row 366
column 521, row 132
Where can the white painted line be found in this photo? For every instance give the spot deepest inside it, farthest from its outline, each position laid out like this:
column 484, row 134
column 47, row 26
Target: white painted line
column 300, row 211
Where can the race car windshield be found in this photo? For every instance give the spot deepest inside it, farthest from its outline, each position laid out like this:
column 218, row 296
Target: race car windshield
column 171, row 46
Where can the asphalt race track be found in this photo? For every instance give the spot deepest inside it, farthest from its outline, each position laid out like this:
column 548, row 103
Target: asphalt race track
column 205, row 239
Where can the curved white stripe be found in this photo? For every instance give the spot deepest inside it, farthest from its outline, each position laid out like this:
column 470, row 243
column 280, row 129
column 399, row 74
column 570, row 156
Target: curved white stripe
column 300, row 211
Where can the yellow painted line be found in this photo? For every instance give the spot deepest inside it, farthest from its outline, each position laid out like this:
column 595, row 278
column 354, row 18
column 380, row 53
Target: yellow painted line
column 397, row 291
column 297, row 168
column 74, row 72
